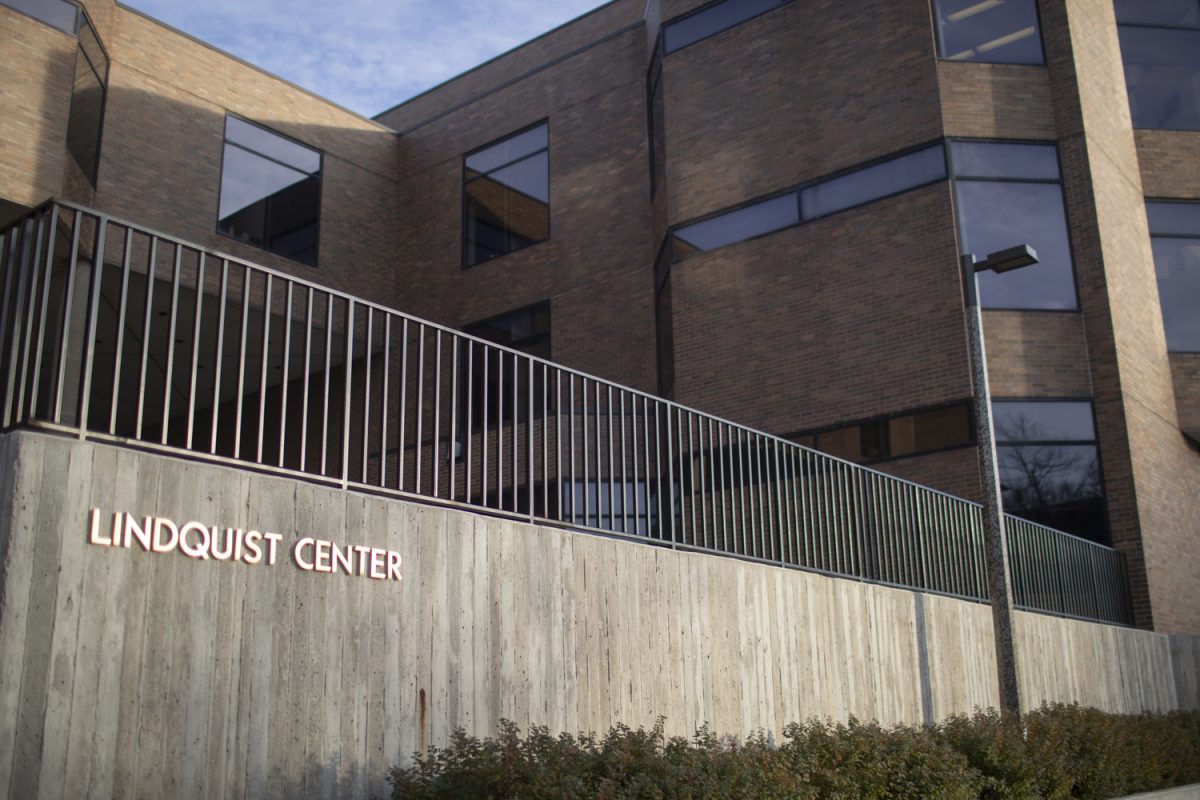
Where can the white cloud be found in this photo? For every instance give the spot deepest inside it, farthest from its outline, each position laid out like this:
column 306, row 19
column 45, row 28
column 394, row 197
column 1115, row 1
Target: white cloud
column 367, row 55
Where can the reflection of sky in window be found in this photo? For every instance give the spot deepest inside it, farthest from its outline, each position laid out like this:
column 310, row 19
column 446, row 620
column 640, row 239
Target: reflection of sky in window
column 1159, row 12
column 58, row 13
column 1002, row 160
column 996, row 216
column 874, row 182
column 530, row 177
column 1162, row 72
column 247, row 179
column 1046, row 421
column 1003, row 31
column 510, row 149
column 745, row 223
column 269, row 144
column 713, row 20
column 1178, row 219
column 1177, row 263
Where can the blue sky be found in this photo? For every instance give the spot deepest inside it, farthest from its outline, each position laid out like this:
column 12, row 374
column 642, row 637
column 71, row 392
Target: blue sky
column 367, row 55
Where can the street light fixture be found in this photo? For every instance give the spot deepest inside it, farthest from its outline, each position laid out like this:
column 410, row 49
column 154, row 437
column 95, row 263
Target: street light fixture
column 995, row 547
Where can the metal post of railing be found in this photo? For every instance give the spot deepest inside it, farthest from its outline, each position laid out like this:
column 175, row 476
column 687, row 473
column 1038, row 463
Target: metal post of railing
column 346, row 384
column 93, row 311
column 126, row 258
column 39, row 350
column 34, row 267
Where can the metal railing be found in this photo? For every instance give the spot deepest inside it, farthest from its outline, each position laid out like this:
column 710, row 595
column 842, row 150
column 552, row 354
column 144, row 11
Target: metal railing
column 172, row 346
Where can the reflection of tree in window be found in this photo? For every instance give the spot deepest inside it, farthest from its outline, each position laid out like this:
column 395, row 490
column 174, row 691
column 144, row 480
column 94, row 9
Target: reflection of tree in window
column 1049, row 465
column 507, row 196
column 270, row 191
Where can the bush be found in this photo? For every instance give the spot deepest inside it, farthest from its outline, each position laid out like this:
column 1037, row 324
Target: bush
column 1055, row 752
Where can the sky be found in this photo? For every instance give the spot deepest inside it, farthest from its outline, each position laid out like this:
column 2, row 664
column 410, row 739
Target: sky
column 367, row 55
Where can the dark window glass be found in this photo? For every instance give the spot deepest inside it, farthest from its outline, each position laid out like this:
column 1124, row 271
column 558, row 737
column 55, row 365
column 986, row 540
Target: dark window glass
column 56, row 13
column 507, row 196
column 87, row 102
column 1178, row 13
column 994, row 216
column 711, row 20
column 495, row 375
column 1162, row 74
column 995, row 31
column 894, row 437
column 656, row 124
column 1002, row 160
column 625, row 507
column 270, row 191
column 1175, row 236
column 736, row 226
column 1049, row 466
column 871, row 183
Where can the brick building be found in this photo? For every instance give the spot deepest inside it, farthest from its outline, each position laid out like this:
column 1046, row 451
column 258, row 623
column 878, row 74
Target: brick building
column 754, row 208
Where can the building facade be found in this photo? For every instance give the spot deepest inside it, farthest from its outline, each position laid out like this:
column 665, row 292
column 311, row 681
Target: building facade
column 753, row 208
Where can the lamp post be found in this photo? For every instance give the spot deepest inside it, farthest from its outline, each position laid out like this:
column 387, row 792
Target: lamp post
column 995, row 546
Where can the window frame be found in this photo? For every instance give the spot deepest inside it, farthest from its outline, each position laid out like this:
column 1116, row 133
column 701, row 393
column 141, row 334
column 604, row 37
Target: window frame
column 463, row 194
column 702, row 9
column 815, row 433
column 320, row 175
column 1093, row 442
column 1192, row 237
column 958, row 218
column 937, row 40
column 82, row 19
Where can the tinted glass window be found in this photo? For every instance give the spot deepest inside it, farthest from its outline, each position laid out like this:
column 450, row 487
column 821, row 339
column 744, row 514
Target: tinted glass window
column 898, row 436
column 1045, row 475
column 871, row 183
column 1017, row 421
column 996, row 31
column 1175, row 232
column 1002, row 160
column 494, row 375
column 87, row 102
column 736, row 226
column 626, row 507
column 713, row 19
column 270, row 191
column 1182, row 13
column 994, row 216
column 56, row 13
column 507, row 196
column 1162, row 75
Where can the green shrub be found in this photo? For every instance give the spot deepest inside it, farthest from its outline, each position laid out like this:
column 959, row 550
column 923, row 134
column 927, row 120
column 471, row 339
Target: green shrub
column 1053, row 753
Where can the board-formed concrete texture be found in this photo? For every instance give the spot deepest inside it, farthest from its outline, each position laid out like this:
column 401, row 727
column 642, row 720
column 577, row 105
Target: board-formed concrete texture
column 126, row 672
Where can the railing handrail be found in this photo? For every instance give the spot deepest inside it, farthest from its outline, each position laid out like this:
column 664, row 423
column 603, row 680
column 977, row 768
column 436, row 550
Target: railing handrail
column 868, row 514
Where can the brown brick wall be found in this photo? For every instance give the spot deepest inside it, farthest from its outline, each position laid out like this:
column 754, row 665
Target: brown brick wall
column 794, row 94
column 1037, row 354
column 820, row 324
column 161, row 156
column 596, row 267
column 1169, row 166
column 37, row 69
column 1185, row 369
column 536, row 54
column 1146, row 463
column 996, row 101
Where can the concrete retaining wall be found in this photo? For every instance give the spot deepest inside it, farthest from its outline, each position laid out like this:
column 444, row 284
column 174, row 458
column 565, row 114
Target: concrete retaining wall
column 135, row 673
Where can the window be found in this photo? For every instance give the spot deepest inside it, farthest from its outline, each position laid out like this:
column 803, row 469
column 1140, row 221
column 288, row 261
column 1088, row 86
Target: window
column 897, row 436
column 1009, row 194
column 625, row 507
column 994, row 31
column 818, row 199
column 1160, row 45
column 506, row 190
column 270, row 191
column 1049, row 465
column 712, row 19
column 1175, row 236
column 87, row 101
column 55, row 13
column 499, row 381
column 655, row 124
